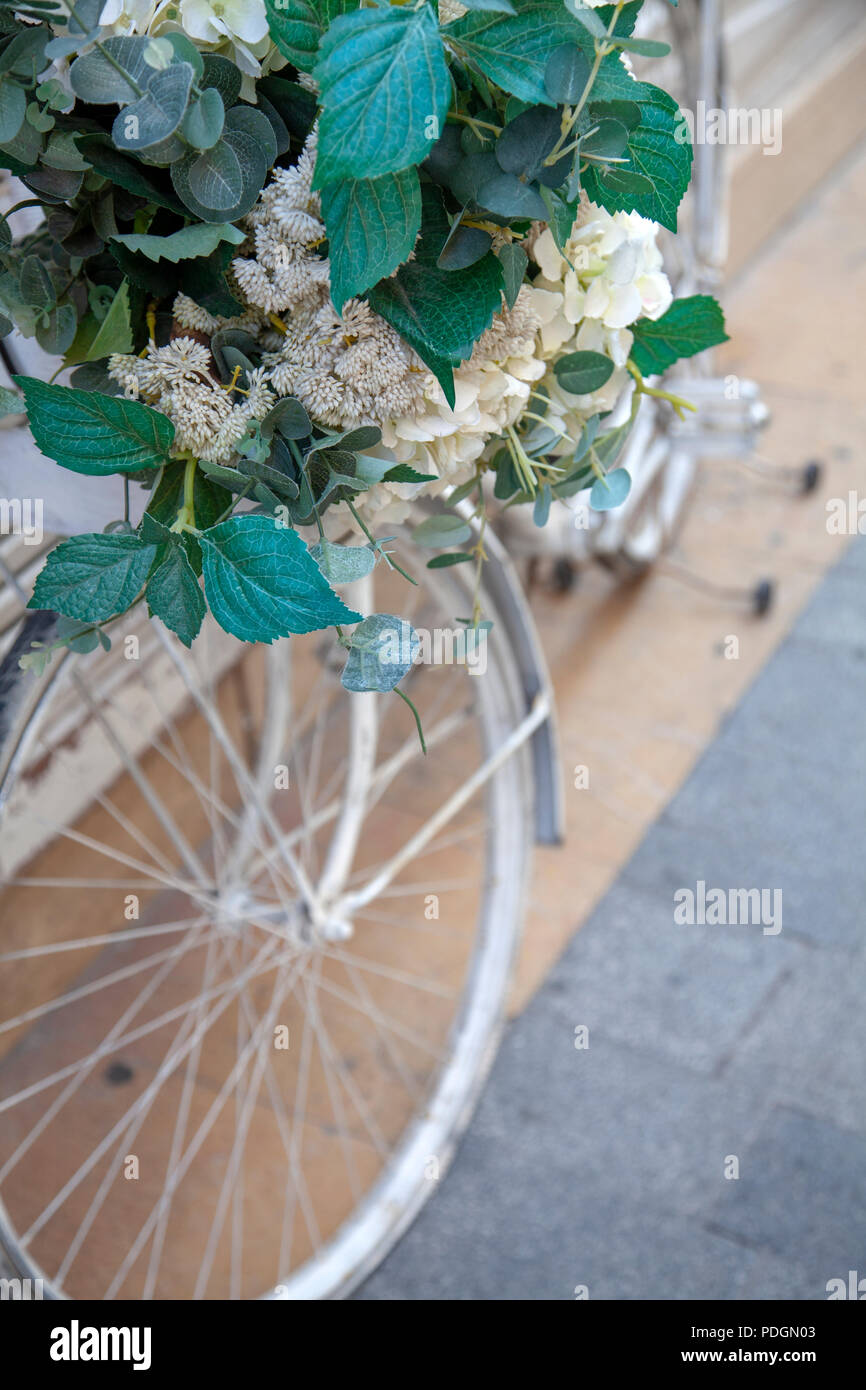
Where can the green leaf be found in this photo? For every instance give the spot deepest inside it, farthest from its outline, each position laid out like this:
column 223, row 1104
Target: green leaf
column 654, row 152
column 526, row 142
column 56, row 333
column 382, row 650
column 508, row 196
column 343, row 564
column 115, row 331
column 93, row 577
column 561, row 215
column 221, row 74
column 10, row 402
column 579, row 373
column 442, row 529
column 608, row 139
column 158, row 113
column 567, row 73
column 441, row 313
column 261, row 582
column 297, row 25
column 514, row 50
column 13, row 104
column 210, row 502
column 453, row 557
column 203, row 123
column 541, row 509
column 129, row 173
column 689, row 326
column 645, row 48
column 173, row 594
column 501, row 6
column 385, row 91
column 35, row 285
column 372, row 227
column 248, row 146
column 610, row 491
column 465, row 246
column 587, row 17
column 188, row 243
column 514, row 261
column 96, row 79
column 91, row 433
column 405, row 473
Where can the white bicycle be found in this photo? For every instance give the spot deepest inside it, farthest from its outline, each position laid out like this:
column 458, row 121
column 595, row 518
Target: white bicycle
column 254, row 948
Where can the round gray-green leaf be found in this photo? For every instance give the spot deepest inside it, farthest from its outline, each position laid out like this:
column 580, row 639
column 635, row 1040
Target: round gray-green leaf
column 441, row 531
column 610, row 491
column 215, row 178
column 203, row 123
column 343, row 564
column 567, row 73
column 579, row 373
column 158, row 113
column 13, row 104
column 382, row 650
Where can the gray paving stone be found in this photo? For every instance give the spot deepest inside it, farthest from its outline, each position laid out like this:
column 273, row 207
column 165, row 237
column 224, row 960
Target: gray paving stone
column 837, row 613
column 605, row 1166
column 855, row 556
column 612, row 1120
column 801, row 1194
column 809, row 1043
column 686, row 992
column 822, row 900
column 814, row 686
column 769, row 1277
column 612, row 1252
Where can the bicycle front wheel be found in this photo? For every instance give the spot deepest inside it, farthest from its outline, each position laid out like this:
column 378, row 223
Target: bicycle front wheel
column 253, row 953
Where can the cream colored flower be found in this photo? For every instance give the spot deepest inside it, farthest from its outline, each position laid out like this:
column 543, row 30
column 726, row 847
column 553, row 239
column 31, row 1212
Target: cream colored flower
column 212, row 21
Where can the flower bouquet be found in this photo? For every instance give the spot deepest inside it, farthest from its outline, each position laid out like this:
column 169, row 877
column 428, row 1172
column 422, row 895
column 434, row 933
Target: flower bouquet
column 306, row 261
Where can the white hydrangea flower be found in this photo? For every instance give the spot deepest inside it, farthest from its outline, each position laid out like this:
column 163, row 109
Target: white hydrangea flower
column 237, row 29
column 212, row 21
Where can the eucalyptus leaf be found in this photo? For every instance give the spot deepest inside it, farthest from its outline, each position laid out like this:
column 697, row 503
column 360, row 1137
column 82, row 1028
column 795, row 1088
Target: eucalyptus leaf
column 343, row 564
column 382, row 650
column 610, row 491
column 441, row 530
column 580, row 373
column 157, row 113
column 187, row 244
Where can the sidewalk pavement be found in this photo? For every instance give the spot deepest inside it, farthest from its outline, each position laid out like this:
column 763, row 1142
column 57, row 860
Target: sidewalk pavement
column 605, row 1166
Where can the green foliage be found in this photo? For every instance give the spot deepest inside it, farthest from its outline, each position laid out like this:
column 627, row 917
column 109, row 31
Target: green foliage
column 173, row 593
column 190, row 242
column 441, row 313
column 690, row 326
column 373, row 64
column 343, row 564
column 93, row 577
column 382, row 649
column 261, row 582
column 372, row 226
column 91, row 433
column 297, row 25
column 583, row 372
